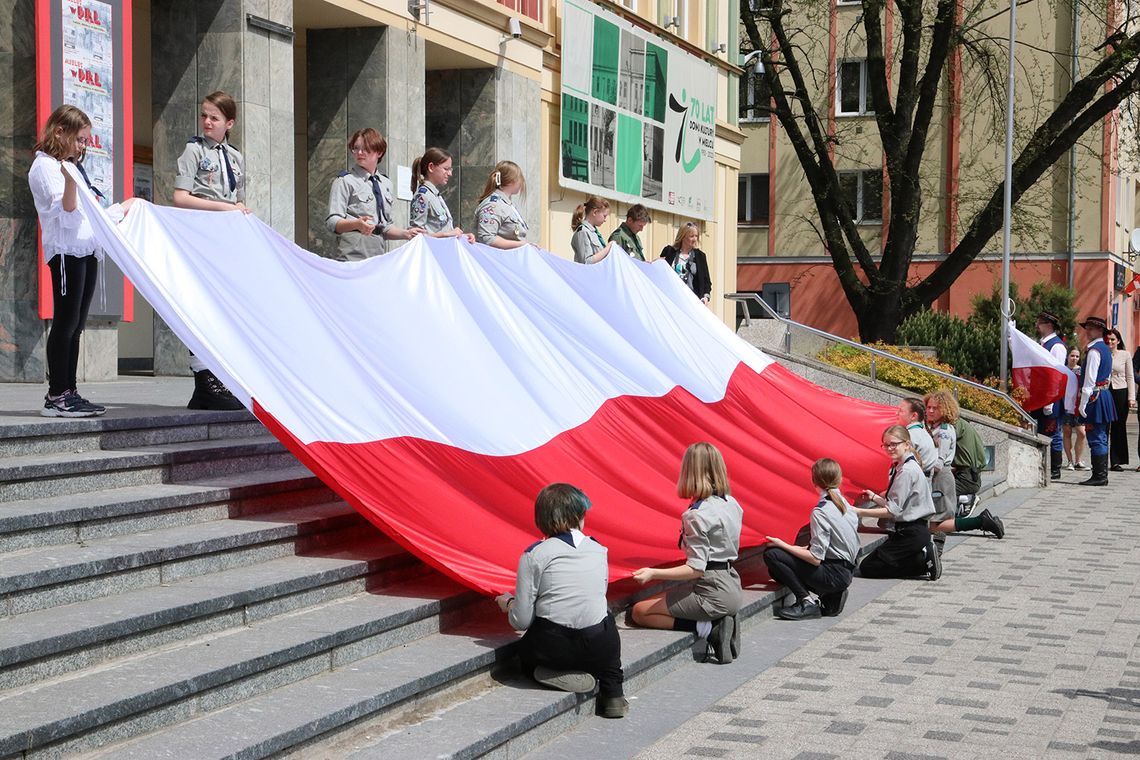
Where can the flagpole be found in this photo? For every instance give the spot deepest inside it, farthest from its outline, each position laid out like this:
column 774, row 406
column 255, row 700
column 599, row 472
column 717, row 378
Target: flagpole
column 1008, row 204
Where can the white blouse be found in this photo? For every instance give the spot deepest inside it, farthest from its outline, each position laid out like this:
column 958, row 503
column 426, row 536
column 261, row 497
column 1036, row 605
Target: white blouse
column 62, row 232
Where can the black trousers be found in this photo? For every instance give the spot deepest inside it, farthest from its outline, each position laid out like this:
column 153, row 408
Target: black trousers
column 1118, row 430
column 595, row 650
column 902, row 555
column 800, row 576
column 69, row 315
column 967, row 482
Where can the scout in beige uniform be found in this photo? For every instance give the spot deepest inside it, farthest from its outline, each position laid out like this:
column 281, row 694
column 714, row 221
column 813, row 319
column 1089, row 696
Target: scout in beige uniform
column 588, row 244
column 497, row 222
column 710, row 538
column 430, row 172
column 211, row 177
column 361, row 202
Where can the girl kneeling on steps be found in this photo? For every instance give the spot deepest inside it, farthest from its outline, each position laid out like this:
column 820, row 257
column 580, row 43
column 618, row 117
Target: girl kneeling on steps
column 571, row 640
column 710, row 537
column 826, row 565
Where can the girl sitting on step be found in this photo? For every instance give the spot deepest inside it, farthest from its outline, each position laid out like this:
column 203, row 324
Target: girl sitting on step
column 826, row 564
column 710, row 537
column 906, row 506
column 571, row 640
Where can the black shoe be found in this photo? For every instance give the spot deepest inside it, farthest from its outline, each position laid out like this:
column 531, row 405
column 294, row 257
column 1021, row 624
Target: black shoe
column 933, row 561
column 833, row 604
column 734, row 645
column 803, row 609
column 611, row 707
column 1117, row 468
column 1054, row 465
column 721, row 639
column 99, row 408
column 210, row 393
column 991, row 524
column 1099, row 472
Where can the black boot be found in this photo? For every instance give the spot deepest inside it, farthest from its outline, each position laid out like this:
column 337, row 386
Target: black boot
column 210, row 393
column 1099, row 471
column 1054, row 465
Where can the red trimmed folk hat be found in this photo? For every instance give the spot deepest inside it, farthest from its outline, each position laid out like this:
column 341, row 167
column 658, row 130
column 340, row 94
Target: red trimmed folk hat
column 1096, row 322
column 1046, row 316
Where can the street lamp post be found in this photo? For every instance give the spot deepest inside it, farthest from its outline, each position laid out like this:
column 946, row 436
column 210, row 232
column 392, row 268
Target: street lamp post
column 1005, row 310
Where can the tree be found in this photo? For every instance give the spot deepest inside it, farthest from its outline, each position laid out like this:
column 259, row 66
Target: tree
column 904, row 104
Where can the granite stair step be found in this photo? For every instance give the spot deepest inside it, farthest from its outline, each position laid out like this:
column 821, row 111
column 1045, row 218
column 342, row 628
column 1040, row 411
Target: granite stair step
column 433, row 698
column 82, row 517
column 46, row 475
column 47, row 436
column 57, row 640
column 88, row 710
column 43, row 577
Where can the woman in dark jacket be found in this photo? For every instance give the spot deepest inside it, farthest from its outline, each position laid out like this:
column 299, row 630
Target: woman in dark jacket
column 690, row 262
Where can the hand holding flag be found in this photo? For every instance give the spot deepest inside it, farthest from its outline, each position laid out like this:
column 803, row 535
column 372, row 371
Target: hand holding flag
column 1045, row 379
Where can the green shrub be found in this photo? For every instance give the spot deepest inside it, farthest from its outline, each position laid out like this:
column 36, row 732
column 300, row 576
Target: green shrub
column 914, row 379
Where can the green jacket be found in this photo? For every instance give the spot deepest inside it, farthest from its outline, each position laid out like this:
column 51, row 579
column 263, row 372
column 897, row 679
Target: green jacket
column 970, row 452
column 627, row 239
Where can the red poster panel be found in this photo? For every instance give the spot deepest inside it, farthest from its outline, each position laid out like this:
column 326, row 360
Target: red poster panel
column 83, row 58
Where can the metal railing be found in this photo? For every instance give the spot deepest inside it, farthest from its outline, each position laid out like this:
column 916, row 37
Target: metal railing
column 744, row 298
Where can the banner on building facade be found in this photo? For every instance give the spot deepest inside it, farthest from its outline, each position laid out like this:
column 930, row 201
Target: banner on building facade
column 638, row 115
column 83, row 58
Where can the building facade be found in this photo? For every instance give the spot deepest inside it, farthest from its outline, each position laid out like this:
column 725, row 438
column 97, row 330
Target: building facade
column 306, row 75
column 1072, row 228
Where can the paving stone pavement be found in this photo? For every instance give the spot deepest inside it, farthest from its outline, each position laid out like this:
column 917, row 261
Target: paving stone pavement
column 1026, row 648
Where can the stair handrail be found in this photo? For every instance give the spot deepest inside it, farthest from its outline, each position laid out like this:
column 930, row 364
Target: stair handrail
column 1028, row 422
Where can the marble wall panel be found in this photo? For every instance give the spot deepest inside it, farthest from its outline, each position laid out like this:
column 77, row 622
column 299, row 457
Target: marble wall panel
column 258, row 78
column 219, row 59
column 22, row 338
column 213, row 16
column 281, row 155
column 22, row 332
column 98, row 352
column 257, row 150
column 19, row 259
column 171, row 356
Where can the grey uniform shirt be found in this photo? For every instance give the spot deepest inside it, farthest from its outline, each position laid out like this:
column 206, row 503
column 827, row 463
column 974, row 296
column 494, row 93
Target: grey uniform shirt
column 924, row 445
column 430, row 211
column 562, row 579
column 586, row 242
column 908, row 495
column 496, row 215
column 710, row 531
column 834, row 534
column 352, row 197
column 202, row 170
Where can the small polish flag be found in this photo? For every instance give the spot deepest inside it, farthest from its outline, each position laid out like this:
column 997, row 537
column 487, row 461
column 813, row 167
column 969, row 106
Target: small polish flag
column 1132, row 286
column 1038, row 372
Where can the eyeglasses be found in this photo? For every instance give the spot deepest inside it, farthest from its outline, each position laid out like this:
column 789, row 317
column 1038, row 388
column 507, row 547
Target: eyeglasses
column 892, row 445
column 359, row 149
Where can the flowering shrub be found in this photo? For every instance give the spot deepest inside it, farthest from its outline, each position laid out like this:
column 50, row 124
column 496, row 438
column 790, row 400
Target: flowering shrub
column 914, row 379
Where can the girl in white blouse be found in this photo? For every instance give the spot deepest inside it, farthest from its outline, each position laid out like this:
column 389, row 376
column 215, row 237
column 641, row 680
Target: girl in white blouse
column 70, row 251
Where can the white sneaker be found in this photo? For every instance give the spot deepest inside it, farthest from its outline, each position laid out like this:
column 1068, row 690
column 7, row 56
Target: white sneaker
column 1070, row 467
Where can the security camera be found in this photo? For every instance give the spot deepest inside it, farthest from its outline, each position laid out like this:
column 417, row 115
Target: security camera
column 516, row 28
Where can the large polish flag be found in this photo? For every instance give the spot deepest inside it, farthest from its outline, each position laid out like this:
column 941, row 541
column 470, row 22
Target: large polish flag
column 438, row 388
column 1045, row 379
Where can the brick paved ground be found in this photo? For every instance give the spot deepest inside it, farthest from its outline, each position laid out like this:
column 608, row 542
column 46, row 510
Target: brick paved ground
column 1026, row 648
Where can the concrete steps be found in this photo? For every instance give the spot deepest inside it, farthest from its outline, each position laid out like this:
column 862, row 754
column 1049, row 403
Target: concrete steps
column 246, row 613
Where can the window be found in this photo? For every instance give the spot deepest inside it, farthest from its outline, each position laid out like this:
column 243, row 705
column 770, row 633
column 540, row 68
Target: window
column 755, row 97
column 752, row 202
column 863, row 194
column 851, row 95
column 756, row 6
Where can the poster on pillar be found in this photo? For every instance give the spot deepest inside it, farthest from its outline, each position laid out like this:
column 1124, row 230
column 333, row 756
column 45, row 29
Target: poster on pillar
column 638, row 115
column 83, row 58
